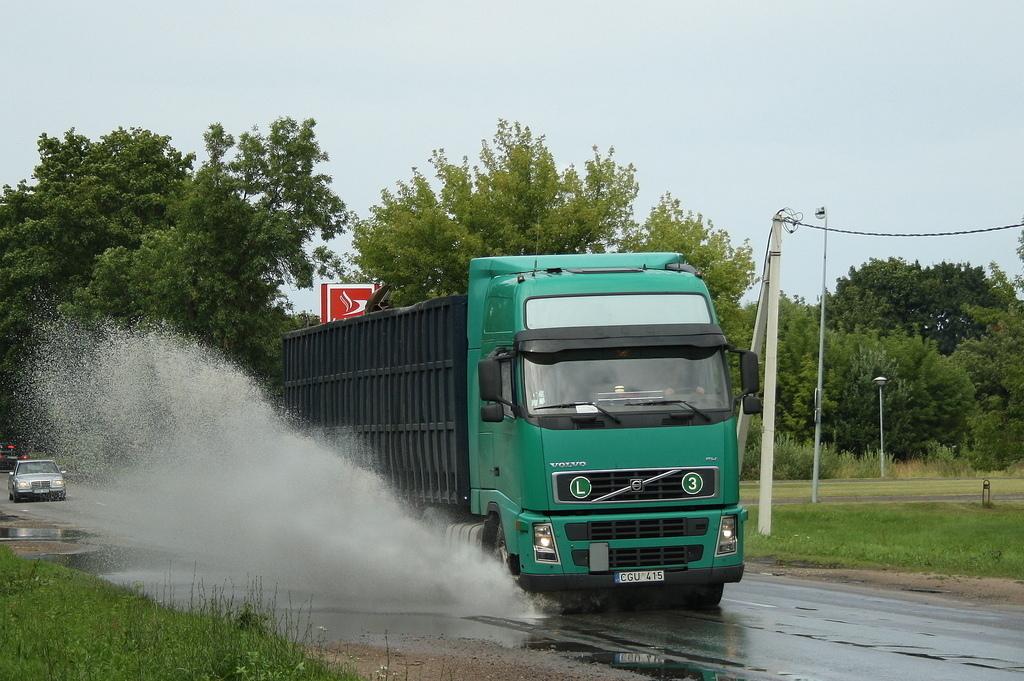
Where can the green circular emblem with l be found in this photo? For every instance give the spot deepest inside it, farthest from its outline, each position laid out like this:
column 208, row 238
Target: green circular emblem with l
column 580, row 487
column 692, row 483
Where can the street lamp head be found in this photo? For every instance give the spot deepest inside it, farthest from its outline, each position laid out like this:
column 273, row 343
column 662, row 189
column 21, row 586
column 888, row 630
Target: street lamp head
column 820, row 213
column 880, row 381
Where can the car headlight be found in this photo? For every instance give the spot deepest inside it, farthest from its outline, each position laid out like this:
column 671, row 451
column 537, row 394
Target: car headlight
column 23, row 484
column 57, row 483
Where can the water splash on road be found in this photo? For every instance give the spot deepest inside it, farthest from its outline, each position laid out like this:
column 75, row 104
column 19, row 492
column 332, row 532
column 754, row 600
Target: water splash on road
column 196, row 460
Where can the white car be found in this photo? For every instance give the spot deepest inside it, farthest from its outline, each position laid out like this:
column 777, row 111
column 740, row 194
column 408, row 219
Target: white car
column 36, row 479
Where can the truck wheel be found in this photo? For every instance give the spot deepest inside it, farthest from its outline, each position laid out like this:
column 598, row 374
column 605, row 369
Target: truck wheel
column 509, row 560
column 705, row 597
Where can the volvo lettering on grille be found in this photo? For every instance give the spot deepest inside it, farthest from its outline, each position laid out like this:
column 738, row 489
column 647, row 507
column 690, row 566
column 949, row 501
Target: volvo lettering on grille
column 635, row 485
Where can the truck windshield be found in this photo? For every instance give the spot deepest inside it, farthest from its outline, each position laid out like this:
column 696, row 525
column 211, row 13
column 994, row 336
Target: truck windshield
column 622, row 380
column 624, row 309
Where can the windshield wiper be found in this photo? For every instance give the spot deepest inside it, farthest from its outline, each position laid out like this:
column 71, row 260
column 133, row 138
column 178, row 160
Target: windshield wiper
column 695, row 410
column 566, row 405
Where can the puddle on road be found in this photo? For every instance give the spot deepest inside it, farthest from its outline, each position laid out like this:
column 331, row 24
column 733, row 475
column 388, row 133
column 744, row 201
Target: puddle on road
column 105, row 560
column 41, row 534
column 95, row 559
column 653, row 665
column 658, row 667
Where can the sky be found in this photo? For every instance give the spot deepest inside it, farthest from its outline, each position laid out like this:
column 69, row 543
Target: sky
column 900, row 118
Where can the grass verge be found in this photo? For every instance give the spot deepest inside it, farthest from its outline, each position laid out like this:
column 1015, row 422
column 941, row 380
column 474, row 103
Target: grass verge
column 929, row 537
column 58, row 623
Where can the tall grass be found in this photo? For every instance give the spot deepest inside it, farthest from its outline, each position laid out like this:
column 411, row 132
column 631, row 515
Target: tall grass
column 58, row 623
column 795, row 461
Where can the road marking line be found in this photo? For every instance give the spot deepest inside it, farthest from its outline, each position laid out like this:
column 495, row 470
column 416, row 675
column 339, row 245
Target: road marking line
column 758, row 605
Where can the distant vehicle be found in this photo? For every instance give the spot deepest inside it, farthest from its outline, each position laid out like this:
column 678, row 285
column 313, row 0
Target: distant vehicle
column 10, row 454
column 36, row 478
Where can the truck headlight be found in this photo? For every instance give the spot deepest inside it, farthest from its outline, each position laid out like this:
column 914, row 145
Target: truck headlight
column 544, row 548
column 728, row 536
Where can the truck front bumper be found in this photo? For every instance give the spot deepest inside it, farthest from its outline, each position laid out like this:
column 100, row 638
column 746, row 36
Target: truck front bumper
column 564, row 582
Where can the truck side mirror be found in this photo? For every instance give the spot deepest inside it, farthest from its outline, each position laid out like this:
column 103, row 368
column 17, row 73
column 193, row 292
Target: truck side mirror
column 751, row 405
column 492, row 413
column 489, row 373
column 750, row 372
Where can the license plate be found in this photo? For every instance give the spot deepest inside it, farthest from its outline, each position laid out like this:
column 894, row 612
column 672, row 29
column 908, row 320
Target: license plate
column 638, row 658
column 639, row 576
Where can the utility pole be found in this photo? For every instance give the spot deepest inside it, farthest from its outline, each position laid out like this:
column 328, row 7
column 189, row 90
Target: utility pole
column 766, row 335
column 771, row 360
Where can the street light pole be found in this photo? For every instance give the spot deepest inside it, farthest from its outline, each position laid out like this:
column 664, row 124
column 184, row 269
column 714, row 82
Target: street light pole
column 880, row 381
column 819, row 393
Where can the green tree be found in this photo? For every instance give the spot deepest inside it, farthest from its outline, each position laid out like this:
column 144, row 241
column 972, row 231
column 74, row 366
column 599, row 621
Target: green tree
column 797, row 368
column 727, row 270
column 515, row 202
column 87, row 197
column 940, row 303
column 239, row 231
column 994, row 363
column 927, row 401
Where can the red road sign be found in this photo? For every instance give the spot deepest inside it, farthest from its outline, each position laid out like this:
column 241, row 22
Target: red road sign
column 340, row 301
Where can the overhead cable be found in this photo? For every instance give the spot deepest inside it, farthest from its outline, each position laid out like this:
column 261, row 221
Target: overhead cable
column 795, row 222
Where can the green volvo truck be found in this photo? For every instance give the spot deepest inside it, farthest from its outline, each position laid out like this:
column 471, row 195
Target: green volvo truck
column 575, row 414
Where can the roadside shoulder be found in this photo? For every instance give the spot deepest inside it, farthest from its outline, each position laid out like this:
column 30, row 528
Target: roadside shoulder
column 992, row 590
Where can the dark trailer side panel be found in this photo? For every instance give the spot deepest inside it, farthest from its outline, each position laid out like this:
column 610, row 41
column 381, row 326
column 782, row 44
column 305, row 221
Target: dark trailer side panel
column 395, row 383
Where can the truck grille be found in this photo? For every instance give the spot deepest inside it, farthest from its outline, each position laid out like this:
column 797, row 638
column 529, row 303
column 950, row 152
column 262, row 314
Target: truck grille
column 642, row 528
column 630, row 486
column 644, row 557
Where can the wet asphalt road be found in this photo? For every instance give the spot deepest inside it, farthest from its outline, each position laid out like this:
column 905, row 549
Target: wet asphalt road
column 767, row 627
column 779, row 627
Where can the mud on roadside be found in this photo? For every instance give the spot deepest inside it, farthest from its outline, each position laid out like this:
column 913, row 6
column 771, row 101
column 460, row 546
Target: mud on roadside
column 977, row 589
